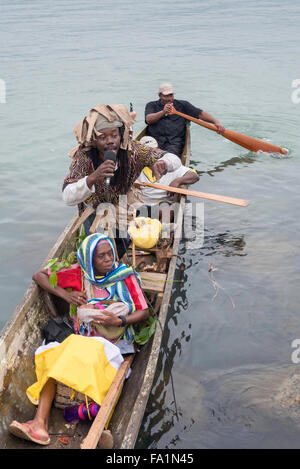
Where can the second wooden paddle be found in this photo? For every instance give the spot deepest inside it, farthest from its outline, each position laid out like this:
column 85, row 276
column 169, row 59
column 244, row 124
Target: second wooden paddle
column 202, row 195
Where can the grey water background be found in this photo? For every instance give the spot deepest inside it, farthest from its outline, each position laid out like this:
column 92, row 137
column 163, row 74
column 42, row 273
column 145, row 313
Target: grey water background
column 230, row 330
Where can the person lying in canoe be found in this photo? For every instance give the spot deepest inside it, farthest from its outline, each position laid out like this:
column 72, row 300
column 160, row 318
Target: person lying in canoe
column 107, row 128
column 109, row 301
column 156, row 199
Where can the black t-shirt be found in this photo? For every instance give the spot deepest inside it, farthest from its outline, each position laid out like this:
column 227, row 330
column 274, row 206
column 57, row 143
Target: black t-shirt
column 169, row 131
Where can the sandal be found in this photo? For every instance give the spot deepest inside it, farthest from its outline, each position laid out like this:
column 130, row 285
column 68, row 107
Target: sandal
column 24, row 431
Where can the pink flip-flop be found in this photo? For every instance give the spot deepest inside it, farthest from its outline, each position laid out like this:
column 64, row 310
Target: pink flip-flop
column 23, row 430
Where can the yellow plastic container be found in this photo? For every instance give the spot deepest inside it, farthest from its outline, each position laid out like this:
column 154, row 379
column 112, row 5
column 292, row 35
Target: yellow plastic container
column 144, row 232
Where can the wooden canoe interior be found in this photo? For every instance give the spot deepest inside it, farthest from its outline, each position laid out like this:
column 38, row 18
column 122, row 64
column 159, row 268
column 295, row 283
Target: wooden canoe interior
column 22, row 335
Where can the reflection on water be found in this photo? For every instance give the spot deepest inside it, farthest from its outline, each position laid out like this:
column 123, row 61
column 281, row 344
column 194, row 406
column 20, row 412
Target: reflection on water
column 226, row 244
column 236, row 160
column 243, row 407
column 234, row 383
column 160, row 417
column 188, row 392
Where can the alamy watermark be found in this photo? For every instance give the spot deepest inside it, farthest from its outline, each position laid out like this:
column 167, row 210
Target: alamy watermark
column 2, row 91
column 295, row 96
column 295, row 357
column 187, row 223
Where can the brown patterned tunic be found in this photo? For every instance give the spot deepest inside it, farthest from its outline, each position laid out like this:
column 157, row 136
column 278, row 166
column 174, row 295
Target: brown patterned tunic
column 85, row 162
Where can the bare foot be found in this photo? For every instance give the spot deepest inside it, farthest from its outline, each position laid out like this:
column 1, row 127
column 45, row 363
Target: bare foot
column 39, row 429
column 30, row 431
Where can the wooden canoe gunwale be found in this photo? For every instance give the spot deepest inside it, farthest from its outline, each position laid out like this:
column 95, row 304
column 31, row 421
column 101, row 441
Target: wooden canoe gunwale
column 7, row 335
column 19, row 338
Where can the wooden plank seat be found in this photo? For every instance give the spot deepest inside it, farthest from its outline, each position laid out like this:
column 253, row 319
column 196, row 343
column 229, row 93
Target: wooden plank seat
column 153, row 282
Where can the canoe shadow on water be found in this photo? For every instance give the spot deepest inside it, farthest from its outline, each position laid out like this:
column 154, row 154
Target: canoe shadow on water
column 225, row 244
column 249, row 158
column 242, row 160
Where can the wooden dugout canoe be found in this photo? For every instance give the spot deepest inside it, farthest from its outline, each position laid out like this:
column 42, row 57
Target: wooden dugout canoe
column 22, row 334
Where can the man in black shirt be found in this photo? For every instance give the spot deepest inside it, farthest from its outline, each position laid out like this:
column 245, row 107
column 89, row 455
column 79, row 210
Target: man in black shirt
column 169, row 130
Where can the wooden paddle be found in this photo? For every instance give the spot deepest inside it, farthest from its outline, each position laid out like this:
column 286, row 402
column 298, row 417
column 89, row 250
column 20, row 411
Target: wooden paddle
column 92, row 438
column 252, row 144
column 200, row 195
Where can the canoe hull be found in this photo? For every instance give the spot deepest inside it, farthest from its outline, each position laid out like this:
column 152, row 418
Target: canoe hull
column 18, row 340
column 22, row 335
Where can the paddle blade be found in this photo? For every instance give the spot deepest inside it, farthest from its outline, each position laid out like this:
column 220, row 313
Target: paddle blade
column 250, row 143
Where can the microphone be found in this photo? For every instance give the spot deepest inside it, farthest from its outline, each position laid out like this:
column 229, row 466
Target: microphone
column 109, row 155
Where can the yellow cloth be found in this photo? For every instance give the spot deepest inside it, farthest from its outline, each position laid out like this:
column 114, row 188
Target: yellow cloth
column 83, row 363
column 148, row 173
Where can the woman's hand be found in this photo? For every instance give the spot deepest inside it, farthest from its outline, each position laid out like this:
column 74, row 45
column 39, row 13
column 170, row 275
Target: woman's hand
column 77, row 298
column 107, row 318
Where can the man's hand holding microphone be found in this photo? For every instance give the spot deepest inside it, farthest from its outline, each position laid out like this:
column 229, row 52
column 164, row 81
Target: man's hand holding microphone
column 105, row 170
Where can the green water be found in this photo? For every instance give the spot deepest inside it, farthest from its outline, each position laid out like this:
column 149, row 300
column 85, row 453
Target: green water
column 230, row 331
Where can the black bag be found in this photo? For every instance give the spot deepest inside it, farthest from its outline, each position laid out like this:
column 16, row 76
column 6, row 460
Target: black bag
column 57, row 330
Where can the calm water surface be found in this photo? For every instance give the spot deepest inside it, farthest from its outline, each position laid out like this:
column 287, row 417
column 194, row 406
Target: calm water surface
column 230, row 329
